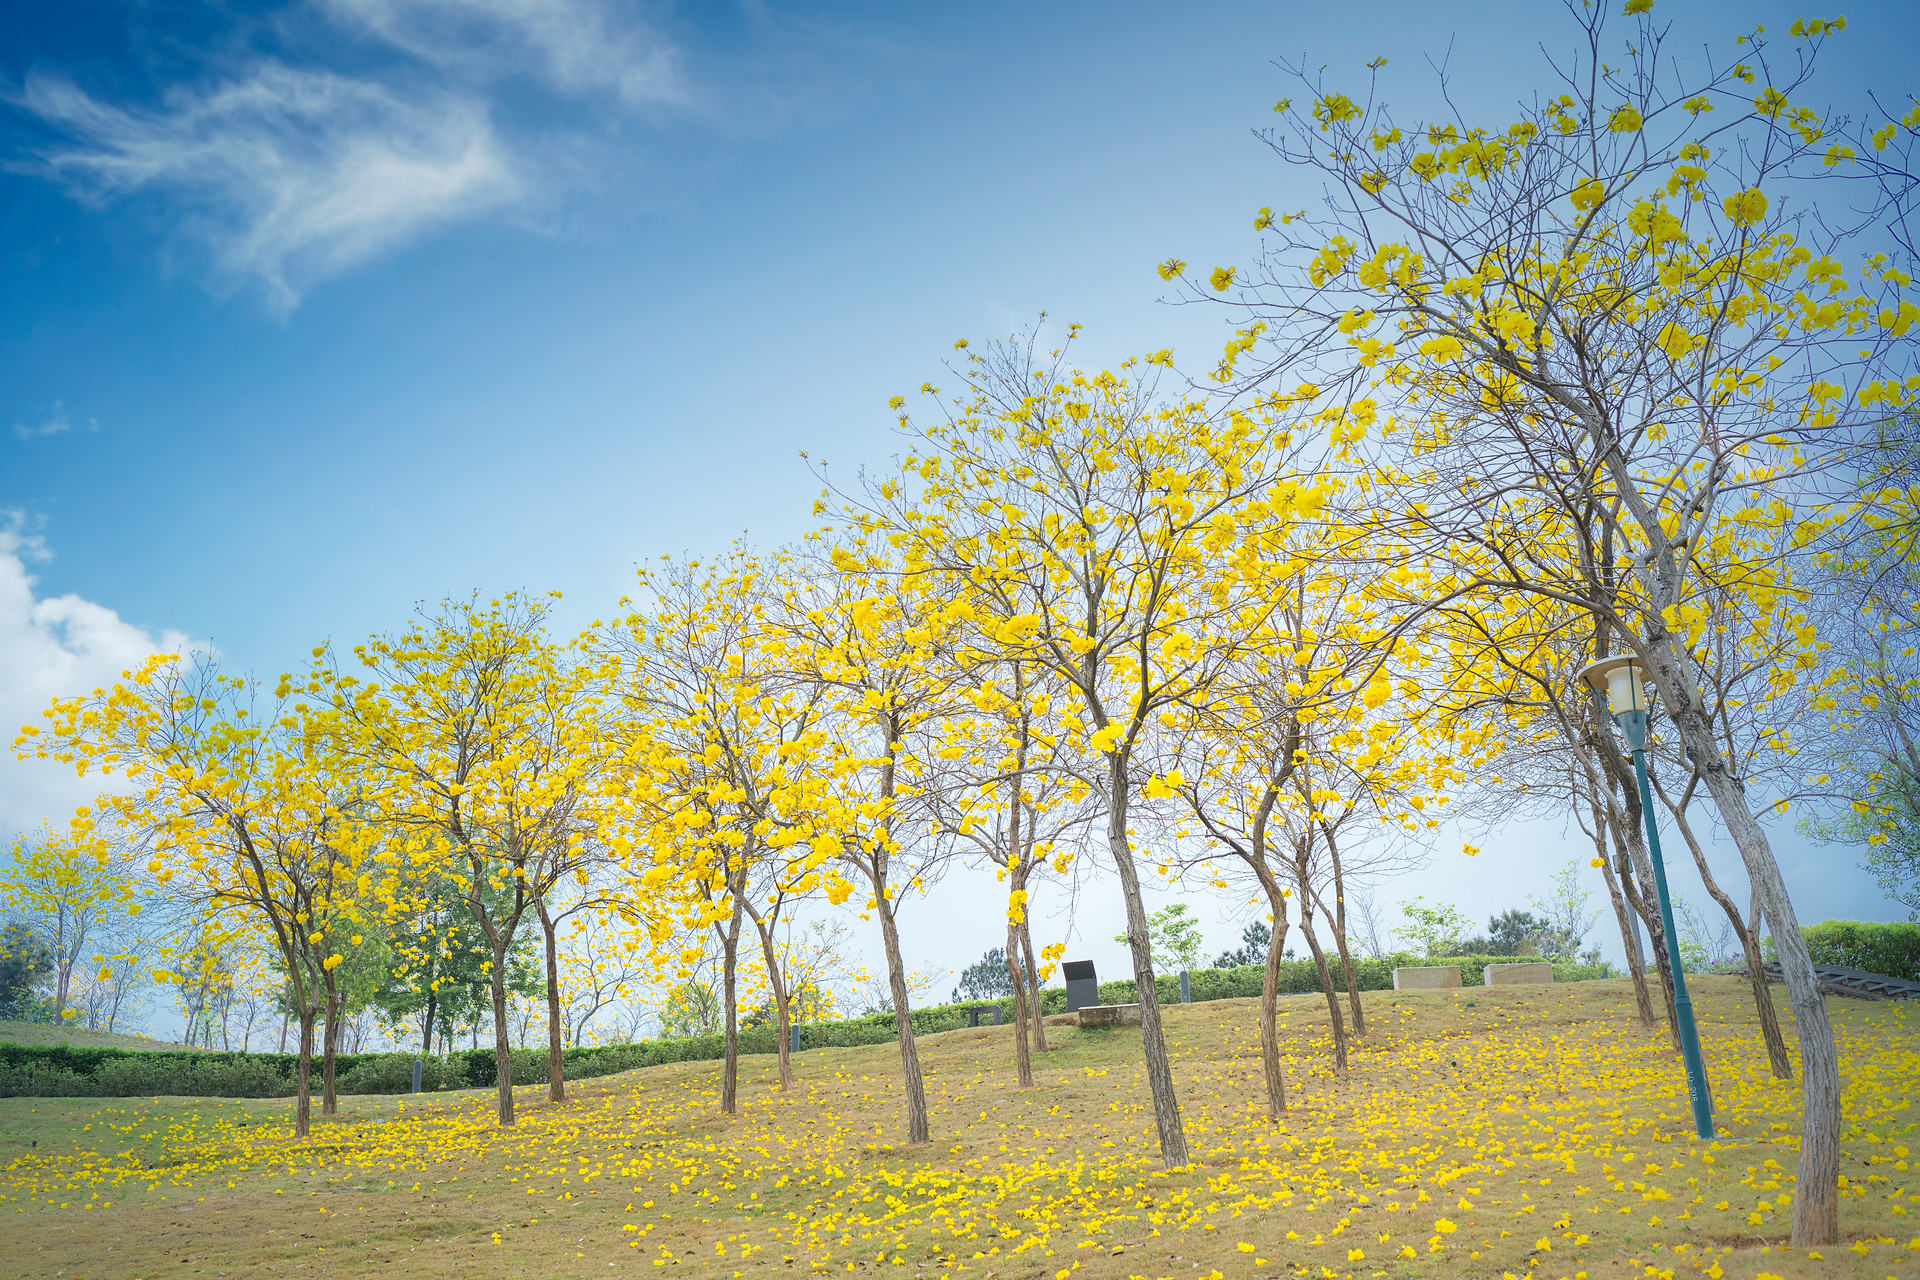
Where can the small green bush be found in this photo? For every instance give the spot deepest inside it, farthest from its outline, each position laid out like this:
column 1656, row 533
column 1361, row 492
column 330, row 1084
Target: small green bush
column 72, row 1071
column 1891, row 948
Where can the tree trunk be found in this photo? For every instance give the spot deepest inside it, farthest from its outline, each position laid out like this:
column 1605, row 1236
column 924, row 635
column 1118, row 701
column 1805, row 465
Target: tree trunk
column 1038, row 1001
column 1326, row 985
column 426, row 1024
column 782, row 1003
column 730, row 998
column 1166, row 1103
column 1270, row 1014
column 329, row 1100
column 303, row 1077
column 1635, row 868
column 1022, row 1060
column 1353, row 979
column 1337, row 922
column 556, row 1067
column 1629, row 937
column 917, row 1127
column 1777, row 1060
column 1816, row 1197
column 502, row 1051
column 286, row 1016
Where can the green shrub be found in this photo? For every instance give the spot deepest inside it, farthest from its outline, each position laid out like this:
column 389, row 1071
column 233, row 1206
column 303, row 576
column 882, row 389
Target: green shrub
column 1891, row 948
column 72, row 1071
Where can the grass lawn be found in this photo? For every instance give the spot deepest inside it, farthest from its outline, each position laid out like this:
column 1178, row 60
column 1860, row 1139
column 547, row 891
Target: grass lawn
column 1524, row 1131
column 79, row 1037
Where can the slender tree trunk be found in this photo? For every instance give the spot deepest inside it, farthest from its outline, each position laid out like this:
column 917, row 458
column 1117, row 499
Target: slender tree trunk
column 1166, row 1103
column 329, row 1100
column 1777, row 1060
column 426, row 1024
column 782, row 1001
column 1270, row 1012
column 303, row 1076
column 556, row 1066
column 502, row 1050
column 1353, row 979
column 1816, row 1196
column 918, row 1130
column 1629, row 937
column 1022, row 1060
column 286, row 1016
column 1038, row 998
column 1635, row 868
column 1326, row 985
column 1337, row 922
column 730, row 998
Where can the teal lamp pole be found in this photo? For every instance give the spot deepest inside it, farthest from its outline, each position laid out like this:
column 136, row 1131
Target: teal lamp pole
column 1622, row 683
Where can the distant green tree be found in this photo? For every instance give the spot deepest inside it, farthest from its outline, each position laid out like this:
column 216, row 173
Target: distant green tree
column 26, row 962
column 986, row 978
column 434, row 967
column 1174, row 936
column 1434, row 930
column 691, row 1009
column 1254, row 941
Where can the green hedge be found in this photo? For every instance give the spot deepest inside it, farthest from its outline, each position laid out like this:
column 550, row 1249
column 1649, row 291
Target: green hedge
column 1892, row 948
column 1300, row 977
column 71, row 1071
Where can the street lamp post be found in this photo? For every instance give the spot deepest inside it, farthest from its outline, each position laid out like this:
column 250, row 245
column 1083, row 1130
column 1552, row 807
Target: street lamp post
column 1622, row 683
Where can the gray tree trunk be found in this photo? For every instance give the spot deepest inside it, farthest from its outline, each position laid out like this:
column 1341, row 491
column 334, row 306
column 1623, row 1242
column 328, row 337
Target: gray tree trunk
column 916, row 1088
column 1038, row 1000
column 1777, row 1060
column 502, row 1050
column 1166, row 1103
column 303, row 1077
column 1270, row 1015
column 556, row 1070
column 1022, row 1059
column 1816, row 1194
column 730, row 999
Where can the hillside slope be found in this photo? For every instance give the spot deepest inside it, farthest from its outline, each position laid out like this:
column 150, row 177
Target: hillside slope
column 1531, row 1131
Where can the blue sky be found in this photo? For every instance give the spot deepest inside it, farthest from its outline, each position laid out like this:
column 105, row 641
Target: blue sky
column 311, row 311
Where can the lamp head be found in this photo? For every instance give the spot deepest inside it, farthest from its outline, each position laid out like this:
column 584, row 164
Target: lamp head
column 1622, row 680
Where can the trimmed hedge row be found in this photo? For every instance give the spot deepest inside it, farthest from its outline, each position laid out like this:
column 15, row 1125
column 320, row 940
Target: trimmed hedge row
column 72, row 1071
column 1301, row 977
column 1891, row 948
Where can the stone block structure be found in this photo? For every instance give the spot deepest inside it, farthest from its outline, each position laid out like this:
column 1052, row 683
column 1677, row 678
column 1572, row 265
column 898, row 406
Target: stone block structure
column 1426, row 977
column 1109, row 1015
column 1506, row 975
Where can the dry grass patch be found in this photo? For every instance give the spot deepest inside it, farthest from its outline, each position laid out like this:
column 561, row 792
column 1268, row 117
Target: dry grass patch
column 1539, row 1124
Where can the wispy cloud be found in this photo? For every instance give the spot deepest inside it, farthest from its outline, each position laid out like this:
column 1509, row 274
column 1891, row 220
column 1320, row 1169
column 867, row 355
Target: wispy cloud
column 54, row 422
column 53, row 646
column 287, row 176
column 578, row 47
column 289, row 169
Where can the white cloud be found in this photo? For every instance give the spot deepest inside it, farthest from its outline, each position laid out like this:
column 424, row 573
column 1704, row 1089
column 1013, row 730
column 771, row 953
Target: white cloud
column 53, row 647
column 577, row 46
column 285, row 176
column 54, row 422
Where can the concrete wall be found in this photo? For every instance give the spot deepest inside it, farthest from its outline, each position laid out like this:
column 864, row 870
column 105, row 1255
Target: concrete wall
column 1108, row 1015
column 1503, row 975
column 1426, row 977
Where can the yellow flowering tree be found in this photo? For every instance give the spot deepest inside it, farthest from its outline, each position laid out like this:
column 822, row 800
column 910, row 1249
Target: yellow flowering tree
column 727, row 739
column 1115, row 538
column 1605, row 315
column 876, row 644
column 482, row 748
column 76, row 885
column 244, row 804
